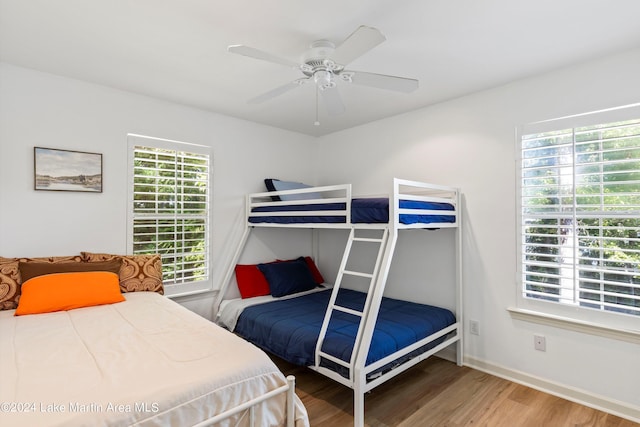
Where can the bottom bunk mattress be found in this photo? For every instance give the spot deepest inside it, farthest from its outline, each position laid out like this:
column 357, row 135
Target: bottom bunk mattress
column 290, row 328
column 146, row 361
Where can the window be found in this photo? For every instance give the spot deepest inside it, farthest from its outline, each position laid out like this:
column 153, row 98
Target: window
column 580, row 213
column 169, row 196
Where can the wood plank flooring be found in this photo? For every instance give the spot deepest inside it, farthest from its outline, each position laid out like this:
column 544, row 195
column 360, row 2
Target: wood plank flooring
column 439, row 393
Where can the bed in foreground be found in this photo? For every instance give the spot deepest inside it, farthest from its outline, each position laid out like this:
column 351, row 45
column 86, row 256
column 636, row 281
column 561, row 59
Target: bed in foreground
column 145, row 361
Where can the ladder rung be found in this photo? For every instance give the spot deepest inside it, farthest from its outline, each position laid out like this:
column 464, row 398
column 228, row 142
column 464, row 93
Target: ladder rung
column 347, row 310
column 367, row 239
column 334, row 359
column 357, row 273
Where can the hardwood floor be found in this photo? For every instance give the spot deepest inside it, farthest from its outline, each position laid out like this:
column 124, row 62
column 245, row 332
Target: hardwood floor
column 439, row 393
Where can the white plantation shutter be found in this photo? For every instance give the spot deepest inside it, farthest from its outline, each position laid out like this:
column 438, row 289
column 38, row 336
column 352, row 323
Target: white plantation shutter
column 170, row 206
column 580, row 216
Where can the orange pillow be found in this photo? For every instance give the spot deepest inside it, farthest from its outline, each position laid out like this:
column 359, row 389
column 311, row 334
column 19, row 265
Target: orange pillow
column 66, row 291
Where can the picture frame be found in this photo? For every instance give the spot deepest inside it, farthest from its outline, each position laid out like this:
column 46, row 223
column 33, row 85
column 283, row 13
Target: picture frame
column 66, row 170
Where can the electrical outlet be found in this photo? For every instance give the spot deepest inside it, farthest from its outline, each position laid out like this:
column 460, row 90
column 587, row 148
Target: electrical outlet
column 540, row 342
column 474, row 327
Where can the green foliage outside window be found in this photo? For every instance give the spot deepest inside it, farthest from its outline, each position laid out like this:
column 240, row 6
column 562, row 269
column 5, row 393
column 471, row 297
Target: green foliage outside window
column 170, row 204
column 581, row 215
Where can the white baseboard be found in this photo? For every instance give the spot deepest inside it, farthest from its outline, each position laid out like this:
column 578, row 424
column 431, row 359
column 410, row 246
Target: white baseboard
column 582, row 397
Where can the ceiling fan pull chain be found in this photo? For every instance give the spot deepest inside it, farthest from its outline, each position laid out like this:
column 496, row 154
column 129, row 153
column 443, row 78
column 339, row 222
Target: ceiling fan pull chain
column 317, row 122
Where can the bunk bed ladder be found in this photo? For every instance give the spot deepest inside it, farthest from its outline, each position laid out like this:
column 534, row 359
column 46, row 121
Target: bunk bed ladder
column 332, row 306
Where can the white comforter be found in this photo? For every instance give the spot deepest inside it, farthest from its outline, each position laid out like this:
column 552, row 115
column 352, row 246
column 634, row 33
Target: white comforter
column 146, row 362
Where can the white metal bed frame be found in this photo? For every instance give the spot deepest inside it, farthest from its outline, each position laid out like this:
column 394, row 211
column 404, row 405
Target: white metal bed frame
column 402, row 190
column 250, row 406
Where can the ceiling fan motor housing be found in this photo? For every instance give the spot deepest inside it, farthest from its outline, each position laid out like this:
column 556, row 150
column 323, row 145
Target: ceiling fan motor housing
column 316, row 64
column 318, row 50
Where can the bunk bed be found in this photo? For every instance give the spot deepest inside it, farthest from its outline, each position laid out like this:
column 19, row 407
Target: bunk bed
column 122, row 354
column 359, row 339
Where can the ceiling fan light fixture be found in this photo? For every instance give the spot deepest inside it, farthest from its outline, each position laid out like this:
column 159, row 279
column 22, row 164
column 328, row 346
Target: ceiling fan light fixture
column 324, row 79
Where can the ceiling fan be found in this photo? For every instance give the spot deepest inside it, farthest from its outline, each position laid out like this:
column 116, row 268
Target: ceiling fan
column 324, row 64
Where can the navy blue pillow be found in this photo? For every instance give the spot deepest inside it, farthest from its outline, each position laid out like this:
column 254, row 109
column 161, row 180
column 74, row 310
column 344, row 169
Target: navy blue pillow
column 288, row 277
column 278, row 185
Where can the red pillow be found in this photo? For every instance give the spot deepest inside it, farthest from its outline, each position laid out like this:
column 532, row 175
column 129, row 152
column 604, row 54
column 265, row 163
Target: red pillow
column 251, row 281
column 317, row 276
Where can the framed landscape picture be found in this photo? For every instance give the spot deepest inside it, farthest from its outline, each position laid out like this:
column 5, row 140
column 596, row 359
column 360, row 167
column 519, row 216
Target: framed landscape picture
column 64, row 170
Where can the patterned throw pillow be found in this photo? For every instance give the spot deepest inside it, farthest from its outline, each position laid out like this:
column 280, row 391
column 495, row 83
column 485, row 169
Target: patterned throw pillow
column 10, row 281
column 137, row 273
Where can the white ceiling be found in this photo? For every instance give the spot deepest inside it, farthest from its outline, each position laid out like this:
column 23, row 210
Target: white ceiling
column 177, row 49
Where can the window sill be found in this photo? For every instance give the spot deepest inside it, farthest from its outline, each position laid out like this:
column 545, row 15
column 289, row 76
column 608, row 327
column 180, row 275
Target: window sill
column 186, row 293
column 629, row 335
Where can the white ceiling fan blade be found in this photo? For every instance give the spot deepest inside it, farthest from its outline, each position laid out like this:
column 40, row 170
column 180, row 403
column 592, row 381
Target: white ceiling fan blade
column 381, row 81
column 252, row 52
column 333, row 101
column 362, row 40
column 277, row 91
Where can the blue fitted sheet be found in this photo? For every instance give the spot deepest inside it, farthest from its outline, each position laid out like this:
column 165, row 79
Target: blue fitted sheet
column 290, row 328
column 363, row 211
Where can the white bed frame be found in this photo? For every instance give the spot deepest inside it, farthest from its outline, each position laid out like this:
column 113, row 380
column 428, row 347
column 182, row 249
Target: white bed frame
column 250, row 405
column 402, row 190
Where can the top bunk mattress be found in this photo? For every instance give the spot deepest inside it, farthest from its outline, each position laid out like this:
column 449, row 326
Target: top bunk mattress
column 363, row 211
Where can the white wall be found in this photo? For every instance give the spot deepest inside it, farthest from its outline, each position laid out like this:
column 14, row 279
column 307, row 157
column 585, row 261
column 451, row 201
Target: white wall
column 39, row 109
column 470, row 143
